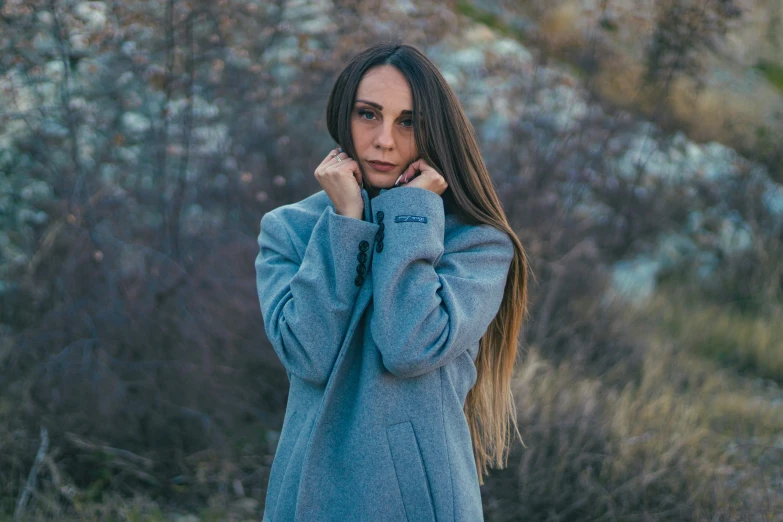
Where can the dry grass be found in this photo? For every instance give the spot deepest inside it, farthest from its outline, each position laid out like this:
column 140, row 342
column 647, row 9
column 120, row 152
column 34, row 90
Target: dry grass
column 690, row 441
column 749, row 344
column 117, row 508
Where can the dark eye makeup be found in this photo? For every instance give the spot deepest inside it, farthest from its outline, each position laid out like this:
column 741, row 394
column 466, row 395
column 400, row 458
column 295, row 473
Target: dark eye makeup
column 363, row 112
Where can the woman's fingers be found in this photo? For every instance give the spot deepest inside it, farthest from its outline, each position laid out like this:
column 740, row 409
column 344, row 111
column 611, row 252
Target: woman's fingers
column 357, row 174
column 334, row 161
column 428, row 177
column 338, row 166
column 340, row 177
column 329, row 157
column 408, row 173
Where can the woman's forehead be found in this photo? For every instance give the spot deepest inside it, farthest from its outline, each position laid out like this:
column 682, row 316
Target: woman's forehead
column 386, row 86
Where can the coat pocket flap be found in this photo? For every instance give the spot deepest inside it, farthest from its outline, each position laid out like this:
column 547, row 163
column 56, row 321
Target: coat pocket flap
column 409, row 468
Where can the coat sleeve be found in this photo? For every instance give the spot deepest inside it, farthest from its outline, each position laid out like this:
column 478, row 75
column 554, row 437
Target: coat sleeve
column 436, row 303
column 306, row 301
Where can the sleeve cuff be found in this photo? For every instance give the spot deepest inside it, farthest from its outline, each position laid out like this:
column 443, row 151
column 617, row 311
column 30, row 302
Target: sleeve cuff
column 349, row 239
column 414, row 223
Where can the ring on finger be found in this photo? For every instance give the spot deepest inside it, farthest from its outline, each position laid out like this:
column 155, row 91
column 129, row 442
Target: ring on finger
column 338, row 158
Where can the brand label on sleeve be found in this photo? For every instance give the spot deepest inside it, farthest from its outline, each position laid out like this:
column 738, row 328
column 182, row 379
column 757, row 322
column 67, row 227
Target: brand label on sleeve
column 410, row 219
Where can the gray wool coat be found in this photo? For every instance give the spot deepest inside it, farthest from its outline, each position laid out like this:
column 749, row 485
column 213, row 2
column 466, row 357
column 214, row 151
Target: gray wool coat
column 377, row 323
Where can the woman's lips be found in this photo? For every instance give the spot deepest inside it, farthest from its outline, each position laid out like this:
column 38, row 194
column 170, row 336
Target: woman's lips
column 381, row 167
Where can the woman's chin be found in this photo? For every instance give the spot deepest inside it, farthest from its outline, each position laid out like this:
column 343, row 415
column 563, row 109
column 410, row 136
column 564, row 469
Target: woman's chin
column 380, row 182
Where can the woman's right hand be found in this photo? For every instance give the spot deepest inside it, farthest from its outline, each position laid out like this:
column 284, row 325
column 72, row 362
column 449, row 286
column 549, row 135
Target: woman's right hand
column 341, row 181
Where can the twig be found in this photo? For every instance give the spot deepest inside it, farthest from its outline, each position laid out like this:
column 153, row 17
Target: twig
column 30, row 486
column 116, row 452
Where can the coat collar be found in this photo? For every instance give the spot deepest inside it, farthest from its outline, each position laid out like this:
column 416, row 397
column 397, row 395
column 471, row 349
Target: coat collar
column 368, row 203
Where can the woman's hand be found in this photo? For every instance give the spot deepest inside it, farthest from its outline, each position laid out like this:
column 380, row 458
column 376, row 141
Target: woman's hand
column 428, row 178
column 341, row 180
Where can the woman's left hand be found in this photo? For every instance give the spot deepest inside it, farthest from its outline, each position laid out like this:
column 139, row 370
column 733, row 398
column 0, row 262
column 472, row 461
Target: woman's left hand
column 428, row 178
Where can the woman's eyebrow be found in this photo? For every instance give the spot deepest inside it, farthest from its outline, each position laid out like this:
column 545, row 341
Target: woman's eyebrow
column 380, row 107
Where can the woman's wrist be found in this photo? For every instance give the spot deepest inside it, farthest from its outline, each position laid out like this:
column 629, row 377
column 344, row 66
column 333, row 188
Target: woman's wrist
column 353, row 214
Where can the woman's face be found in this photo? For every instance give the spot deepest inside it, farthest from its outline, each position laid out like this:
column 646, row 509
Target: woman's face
column 382, row 125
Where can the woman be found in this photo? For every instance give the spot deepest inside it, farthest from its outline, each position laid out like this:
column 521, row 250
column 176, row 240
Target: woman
column 393, row 298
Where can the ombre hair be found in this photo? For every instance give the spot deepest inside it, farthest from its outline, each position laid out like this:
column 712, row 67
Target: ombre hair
column 445, row 139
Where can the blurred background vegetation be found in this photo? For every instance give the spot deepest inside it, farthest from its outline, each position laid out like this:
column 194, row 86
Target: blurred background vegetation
column 636, row 146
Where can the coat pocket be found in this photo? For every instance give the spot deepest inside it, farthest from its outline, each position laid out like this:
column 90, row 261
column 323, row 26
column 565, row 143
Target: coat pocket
column 409, row 468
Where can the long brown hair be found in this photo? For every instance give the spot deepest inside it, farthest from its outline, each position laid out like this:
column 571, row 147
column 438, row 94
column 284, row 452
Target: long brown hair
column 446, row 140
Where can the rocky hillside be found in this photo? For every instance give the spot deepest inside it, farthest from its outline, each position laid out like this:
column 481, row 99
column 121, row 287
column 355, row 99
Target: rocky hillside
column 721, row 62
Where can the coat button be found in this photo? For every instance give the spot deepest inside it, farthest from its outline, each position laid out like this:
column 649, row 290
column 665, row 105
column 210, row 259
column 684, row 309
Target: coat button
column 359, row 281
column 379, row 215
column 364, row 245
column 381, row 226
column 379, row 235
column 379, row 246
column 362, row 257
column 361, row 269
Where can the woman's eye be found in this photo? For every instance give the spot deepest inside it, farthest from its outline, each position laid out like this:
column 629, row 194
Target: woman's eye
column 408, row 123
column 363, row 113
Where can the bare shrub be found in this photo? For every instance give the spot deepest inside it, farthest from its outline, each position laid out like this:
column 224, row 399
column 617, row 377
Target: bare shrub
column 132, row 329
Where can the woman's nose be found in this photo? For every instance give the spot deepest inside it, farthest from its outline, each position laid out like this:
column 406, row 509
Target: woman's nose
column 384, row 139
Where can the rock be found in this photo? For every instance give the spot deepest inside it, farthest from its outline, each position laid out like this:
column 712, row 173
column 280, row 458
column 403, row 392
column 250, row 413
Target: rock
column 210, row 139
column 773, row 199
column 44, row 17
column 634, row 280
column 37, row 191
column 79, row 41
column 246, row 505
column 128, row 48
column 135, row 123
column 124, row 79
column 54, row 70
column 734, row 236
column 674, row 249
column 26, row 215
column 93, row 14
column 201, row 108
column 45, row 44
column 52, row 129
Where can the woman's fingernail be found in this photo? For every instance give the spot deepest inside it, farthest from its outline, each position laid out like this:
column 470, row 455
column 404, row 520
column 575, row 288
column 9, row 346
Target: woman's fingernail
column 398, row 180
